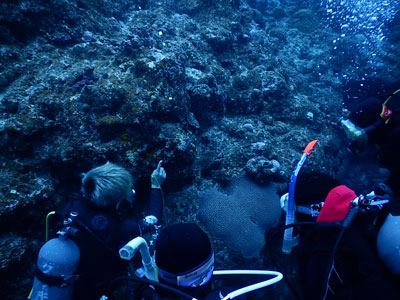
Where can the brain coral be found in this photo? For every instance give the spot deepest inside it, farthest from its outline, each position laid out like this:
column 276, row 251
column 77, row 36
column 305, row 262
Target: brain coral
column 242, row 216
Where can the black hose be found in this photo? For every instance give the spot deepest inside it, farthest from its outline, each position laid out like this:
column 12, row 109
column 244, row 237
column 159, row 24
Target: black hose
column 346, row 223
column 149, row 282
column 83, row 226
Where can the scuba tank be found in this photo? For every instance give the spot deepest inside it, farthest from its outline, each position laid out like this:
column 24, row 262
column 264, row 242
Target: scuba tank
column 388, row 243
column 57, row 261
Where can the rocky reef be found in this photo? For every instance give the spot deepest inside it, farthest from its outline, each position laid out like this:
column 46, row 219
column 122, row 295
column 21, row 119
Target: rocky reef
column 215, row 89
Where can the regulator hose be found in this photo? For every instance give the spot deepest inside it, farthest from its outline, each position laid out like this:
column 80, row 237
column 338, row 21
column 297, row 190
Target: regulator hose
column 346, row 223
column 283, row 228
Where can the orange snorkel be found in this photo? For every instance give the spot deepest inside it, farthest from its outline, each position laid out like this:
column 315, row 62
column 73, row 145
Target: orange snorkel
column 288, row 240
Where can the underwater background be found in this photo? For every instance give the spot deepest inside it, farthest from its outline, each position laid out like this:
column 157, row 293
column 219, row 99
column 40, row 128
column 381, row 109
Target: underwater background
column 215, row 89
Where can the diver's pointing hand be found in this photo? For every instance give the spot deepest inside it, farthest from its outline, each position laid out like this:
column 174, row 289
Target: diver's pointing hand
column 158, row 176
column 159, row 165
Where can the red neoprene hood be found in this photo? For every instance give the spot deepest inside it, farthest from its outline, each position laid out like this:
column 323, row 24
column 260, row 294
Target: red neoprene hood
column 337, row 204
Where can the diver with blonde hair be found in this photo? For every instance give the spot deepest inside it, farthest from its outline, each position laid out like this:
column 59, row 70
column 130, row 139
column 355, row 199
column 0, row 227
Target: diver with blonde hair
column 107, row 184
column 103, row 215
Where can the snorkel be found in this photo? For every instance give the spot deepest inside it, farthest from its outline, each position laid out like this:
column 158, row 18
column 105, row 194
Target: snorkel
column 288, row 240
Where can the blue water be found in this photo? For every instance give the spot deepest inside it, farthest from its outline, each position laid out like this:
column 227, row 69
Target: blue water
column 365, row 21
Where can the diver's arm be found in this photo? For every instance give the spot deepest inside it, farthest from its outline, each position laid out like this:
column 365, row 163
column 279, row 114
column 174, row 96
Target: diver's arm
column 156, row 197
column 155, row 204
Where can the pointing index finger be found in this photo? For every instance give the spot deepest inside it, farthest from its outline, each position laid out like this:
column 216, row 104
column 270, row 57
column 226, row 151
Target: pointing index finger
column 159, row 165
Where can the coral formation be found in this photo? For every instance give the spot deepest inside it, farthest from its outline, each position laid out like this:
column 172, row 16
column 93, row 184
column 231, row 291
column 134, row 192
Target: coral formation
column 242, row 216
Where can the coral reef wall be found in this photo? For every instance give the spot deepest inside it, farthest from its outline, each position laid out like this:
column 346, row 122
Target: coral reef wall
column 213, row 88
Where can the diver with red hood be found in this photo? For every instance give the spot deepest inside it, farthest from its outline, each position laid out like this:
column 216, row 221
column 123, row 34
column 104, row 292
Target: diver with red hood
column 338, row 254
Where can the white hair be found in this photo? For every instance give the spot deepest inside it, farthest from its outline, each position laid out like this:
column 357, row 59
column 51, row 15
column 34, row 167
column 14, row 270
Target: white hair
column 107, row 184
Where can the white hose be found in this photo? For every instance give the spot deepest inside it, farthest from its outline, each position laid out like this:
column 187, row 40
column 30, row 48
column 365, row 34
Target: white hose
column 253, row 287
column 128, row 251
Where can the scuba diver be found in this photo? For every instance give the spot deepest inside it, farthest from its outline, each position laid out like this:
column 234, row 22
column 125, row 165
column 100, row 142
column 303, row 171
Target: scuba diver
column 341, row 238
column 377, row 122
column 99, row 221
column 185, row 261
column 337, row 254
column 338, row 257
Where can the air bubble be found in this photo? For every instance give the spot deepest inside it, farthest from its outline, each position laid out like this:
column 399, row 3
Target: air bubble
column 368, row 19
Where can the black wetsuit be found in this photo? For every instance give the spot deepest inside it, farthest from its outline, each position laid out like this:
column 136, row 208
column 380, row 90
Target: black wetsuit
column 357, row 272
column 101, row 233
